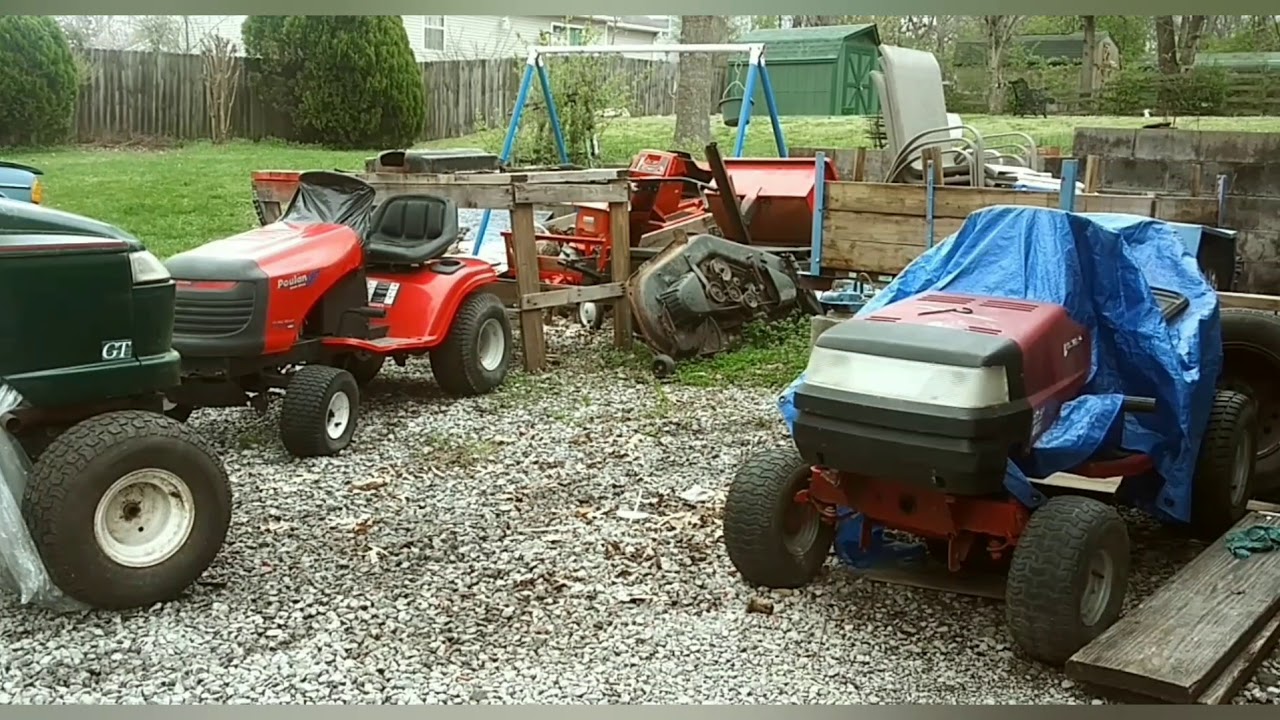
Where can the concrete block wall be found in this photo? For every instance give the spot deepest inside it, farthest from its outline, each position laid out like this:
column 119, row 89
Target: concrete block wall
column 1180, row 161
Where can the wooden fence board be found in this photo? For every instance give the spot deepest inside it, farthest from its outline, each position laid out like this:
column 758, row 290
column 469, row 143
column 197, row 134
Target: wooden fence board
column 131, row 94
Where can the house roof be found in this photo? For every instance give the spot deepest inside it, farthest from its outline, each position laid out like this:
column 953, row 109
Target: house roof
column 800, row 34
column 808, row 43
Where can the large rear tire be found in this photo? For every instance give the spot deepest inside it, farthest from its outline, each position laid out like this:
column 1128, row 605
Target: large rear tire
column 320, row 411
column 1067, row 578
column 1251, row 365
column 772, row 540
column 476, row 356
column 127, row 509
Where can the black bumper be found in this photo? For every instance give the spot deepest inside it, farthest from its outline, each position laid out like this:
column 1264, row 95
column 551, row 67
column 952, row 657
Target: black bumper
column 956, row 450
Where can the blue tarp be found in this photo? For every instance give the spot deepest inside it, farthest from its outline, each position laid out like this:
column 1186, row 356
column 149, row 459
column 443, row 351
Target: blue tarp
column 1101, row 268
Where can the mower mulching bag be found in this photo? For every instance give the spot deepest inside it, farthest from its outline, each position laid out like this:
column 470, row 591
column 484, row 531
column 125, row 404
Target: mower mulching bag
column 21, row 569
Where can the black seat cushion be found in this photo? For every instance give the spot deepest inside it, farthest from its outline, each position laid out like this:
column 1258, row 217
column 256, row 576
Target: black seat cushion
column 411, row 230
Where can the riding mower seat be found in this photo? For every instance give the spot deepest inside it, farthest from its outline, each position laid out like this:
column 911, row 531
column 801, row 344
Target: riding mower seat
column 411, row 230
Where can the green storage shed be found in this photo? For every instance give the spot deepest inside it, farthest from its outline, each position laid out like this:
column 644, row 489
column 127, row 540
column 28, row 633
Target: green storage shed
column 813, row 70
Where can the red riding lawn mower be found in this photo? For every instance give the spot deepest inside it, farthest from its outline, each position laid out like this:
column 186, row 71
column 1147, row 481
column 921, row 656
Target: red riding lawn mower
column 315, row 303
column 908, row 418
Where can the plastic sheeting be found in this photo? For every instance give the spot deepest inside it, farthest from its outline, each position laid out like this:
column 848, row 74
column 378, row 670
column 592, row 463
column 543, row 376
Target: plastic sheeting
column 1101, row 268
column 22, row 572
column 331, row 197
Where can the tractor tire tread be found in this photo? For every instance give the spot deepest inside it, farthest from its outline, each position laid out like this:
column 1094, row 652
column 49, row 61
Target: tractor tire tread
column 752, row 532
column 306, row 407
column 1043, row 618
column 56, row 483
column 456, row 364
column 1212, row 512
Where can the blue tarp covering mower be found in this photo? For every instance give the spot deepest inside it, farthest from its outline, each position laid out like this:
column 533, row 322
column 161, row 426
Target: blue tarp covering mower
column 1035, row 341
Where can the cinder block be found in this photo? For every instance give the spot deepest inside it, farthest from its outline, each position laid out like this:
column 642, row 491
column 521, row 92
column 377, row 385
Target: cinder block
column 1253, row 213
column 1253, row 246
column 1239, row 147
column 1167, row 145
column 1103, row 142
column 1135, row 175
column 1258, row 179
column 819, row 324
column 1262, row 278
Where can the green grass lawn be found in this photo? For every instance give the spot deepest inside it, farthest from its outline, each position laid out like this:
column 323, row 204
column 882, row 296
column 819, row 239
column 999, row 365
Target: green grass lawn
column 174, row 199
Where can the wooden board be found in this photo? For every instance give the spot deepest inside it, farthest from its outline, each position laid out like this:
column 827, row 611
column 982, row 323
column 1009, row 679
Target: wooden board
column 1269, row 303
column 1177, row 643
column 959, row 202
column 876, row 243
column 1242, row 668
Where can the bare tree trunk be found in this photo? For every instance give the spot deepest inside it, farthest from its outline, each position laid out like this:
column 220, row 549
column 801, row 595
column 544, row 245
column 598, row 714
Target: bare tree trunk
column 999, row 30
column 693, row 84
column 1088, row 63
column 1190, row 30
column 1166, row 44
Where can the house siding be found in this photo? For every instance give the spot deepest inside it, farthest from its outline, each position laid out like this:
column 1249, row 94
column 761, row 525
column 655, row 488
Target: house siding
column 466, row 37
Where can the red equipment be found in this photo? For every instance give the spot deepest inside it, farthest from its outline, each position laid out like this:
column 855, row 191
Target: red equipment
column 669, row 189
column 908, row 417
column 337, row 287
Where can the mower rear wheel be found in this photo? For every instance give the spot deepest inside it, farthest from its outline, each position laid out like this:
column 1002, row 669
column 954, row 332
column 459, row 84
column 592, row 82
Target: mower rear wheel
column 127, row 509
column 320, row 411
column 474, row 359
column 772, row 539
column 1225, row 467
column 1067, row 578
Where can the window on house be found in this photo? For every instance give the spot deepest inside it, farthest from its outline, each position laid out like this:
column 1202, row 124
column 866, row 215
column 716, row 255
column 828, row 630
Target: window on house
column 568, row 34
column 433, row 32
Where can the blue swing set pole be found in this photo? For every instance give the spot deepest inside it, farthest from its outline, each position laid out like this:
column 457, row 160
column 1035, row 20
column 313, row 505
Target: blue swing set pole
column 758, row 74
column 533, row 66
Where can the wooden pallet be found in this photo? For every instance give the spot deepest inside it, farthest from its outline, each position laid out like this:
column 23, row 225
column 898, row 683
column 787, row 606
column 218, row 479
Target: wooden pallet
column 1200, row 637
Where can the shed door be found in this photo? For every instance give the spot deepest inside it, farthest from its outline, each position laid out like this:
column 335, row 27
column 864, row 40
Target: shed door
column 856, row 95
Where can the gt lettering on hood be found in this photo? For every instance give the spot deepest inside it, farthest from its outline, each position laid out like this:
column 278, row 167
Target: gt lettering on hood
column 294, row 282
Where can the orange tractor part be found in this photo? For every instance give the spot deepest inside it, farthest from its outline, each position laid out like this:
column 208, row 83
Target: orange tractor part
column 669, row 189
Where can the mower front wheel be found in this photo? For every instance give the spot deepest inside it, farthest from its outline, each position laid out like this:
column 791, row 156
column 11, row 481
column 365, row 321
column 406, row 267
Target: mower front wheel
column 772, row 539
column 474, row 359
column 1067, row 578
column 320, row 411
column 127, row 509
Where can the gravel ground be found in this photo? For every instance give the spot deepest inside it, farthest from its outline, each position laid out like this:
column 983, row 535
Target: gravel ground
column 474, row 551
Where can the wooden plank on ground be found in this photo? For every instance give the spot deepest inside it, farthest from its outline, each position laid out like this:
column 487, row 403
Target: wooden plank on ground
column 1242, row 668
column 1180, row 640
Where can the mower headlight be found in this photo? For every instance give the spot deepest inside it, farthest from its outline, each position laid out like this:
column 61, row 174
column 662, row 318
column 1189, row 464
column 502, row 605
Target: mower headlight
column 37, row 192
column 910, row 380
column 147, row 268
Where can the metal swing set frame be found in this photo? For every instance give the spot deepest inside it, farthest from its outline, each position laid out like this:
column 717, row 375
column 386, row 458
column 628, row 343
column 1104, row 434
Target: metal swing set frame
column 757, row 75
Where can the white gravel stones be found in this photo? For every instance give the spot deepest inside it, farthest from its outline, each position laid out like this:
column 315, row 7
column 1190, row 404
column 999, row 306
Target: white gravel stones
column 474, row 551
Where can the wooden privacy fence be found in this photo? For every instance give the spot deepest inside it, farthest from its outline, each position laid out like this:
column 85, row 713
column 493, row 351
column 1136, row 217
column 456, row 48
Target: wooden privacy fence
column 147, row 94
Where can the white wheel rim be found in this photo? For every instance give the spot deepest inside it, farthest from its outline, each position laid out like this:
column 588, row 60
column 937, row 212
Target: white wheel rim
column 1097, row 589
column 338, row 415
column 587, row 313
column 491, row 345
column 144, row 518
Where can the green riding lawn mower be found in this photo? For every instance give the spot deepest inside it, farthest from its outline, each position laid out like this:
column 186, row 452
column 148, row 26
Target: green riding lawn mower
column 124, row 506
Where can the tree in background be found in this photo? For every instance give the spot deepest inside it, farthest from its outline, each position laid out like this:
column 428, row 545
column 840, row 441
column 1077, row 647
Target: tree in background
column 39, row 79
column 998, row 31
column 694, row 81
column 1178, row 41
column 347, row 81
